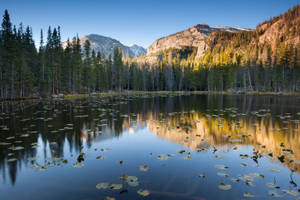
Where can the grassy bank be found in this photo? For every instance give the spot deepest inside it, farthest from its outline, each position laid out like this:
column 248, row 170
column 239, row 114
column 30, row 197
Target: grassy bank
column 124, row 93
column 140, row 93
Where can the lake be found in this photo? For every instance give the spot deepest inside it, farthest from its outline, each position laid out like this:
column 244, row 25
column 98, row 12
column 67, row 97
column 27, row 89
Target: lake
column 198, row 147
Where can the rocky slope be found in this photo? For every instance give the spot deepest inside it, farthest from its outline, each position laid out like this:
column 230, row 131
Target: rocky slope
column 280, row 31
column 192, row 37
column 106, row 45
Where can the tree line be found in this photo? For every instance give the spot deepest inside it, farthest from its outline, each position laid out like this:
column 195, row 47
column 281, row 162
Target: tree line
column 229, row 64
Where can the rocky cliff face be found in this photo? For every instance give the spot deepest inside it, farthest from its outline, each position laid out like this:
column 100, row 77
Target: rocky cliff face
column 106, row 45
column 282, row 28
column 192, row 37
column 276, row 38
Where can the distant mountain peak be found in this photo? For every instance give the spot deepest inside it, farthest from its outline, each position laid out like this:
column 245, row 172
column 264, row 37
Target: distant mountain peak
column 105, row 45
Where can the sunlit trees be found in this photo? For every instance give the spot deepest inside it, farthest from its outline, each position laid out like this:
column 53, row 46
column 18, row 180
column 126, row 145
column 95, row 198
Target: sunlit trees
column 231, row 62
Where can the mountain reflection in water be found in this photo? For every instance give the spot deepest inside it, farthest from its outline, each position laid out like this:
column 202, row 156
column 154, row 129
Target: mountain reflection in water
column 44, row 134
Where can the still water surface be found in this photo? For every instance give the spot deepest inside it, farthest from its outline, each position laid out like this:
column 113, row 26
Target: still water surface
column 151, row 147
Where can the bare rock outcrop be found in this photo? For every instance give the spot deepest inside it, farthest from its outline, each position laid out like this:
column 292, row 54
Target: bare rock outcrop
column 191, row 37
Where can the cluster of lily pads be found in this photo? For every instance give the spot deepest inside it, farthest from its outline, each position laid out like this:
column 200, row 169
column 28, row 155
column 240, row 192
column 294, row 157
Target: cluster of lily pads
column 106, row 110
column 286, row 156
column 130, row 180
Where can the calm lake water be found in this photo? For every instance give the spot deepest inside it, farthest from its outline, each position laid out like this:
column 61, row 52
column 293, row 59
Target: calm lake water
column 151, row 147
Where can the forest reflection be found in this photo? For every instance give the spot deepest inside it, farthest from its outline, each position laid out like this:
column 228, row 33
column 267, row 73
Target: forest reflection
column 54, row 130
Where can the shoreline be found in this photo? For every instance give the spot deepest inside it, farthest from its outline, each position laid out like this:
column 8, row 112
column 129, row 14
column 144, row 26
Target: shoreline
column 125, row 93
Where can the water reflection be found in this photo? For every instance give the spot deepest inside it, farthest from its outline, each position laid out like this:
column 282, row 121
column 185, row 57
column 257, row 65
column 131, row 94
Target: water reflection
column 48, row 134
column 273, row 136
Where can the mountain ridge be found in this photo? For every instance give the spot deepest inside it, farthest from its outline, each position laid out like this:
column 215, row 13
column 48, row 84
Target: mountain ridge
column 193, row 36
column 106, row 44
column 207, row 45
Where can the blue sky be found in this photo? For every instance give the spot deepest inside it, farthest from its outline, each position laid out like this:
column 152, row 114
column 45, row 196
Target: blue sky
column 139, row 21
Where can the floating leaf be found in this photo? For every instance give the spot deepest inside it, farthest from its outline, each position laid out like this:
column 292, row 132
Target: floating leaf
column 4, row 143
column 115, row 186
column 17, row 148
column 235, row 140
column 274, row 194
column 224, row 186
column 271, row 185
column 181, row 151
column 110, row 198
column 100, row 157
column 291, row 192
column 103, row 185
column 222, row 167
column 222, row 174
column 247, row 194
column 12, row 160
column 202, row 175
column 171, row 155
column 133, row 183
column 187, row 158
column 78, row 165
column 106, row 149
column 162, row 157
column 218, row 157
column 235, row 179
column 257, row 175
column 144, row 168
column 143, row 192
column 131, row 178
column 24, row 135
column 274, row 169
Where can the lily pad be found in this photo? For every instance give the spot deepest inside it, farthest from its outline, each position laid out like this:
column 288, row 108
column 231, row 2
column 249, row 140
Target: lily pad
column 247, row 194
column 222, row 174
column 103, row 185
column 224, row 186
column 144, row 168
column 133, row 183
column 100, row 157
column 78, row 165
column 187, row 158
column 143, row 192
column 235, row 180
column 162, row 157
column 274, row 169
column 202, row 175
column 222, row 167
column 110, row 198
column 181, row 151
column 17, row 148
column 274, row 194
column 106, row 149
column 271, row 185
column 12, row 160
column 131, row 178
column 257, row 175
column 115, row 186
column 291, row 192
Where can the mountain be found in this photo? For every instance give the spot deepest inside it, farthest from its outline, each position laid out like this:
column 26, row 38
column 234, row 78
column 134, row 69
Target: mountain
column 106, row 45
column 192, row 37
column 138, row 50
column 218, row 45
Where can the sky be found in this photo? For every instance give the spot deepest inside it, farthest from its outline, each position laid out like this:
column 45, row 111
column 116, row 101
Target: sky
column 138, row 22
